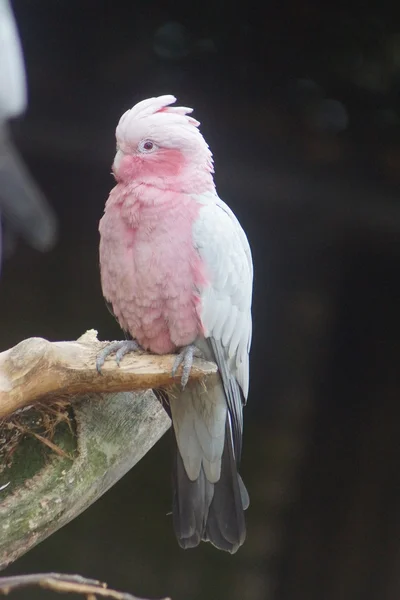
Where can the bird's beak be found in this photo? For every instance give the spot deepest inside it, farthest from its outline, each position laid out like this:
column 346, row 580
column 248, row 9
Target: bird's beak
column 117, row 160
column 117, row 163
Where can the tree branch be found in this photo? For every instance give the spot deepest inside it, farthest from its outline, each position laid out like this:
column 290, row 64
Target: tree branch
column 58, row 582
column 43, row 491
column 104, row 432
column 36, row 368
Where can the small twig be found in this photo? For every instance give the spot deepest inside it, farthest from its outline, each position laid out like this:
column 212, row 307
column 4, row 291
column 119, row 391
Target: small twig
column 64, row 584
column 51, row 445
column 44, row 440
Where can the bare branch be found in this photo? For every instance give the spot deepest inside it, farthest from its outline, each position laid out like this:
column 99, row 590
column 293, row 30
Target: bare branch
column 115, row 426
column 74, row 584
column 37, row 368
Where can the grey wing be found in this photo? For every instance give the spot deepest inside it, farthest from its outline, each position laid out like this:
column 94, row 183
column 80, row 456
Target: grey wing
column 226, row 303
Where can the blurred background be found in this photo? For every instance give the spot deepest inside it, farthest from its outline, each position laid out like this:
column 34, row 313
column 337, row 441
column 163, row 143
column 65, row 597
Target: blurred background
column 299, row 102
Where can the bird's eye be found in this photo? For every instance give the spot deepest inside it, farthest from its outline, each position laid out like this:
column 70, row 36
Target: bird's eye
column 146, row 146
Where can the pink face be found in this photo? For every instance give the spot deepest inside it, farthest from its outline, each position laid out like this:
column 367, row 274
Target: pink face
column 146, row 161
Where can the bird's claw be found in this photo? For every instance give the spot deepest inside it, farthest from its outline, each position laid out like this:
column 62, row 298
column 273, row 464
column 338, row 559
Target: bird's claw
column 120, row 349
column 185, row 358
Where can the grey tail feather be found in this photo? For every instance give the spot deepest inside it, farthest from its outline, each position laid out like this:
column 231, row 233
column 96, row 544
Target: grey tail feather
column 210, row 511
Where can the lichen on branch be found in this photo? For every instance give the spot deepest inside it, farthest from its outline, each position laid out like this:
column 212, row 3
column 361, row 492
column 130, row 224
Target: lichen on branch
column 67, row 434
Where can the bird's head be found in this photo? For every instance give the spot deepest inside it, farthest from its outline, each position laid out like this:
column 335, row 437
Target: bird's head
column 161, row 145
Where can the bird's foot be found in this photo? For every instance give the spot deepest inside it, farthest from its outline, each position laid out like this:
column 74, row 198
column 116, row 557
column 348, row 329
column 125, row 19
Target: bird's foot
column 185, row 358
column 120, row 349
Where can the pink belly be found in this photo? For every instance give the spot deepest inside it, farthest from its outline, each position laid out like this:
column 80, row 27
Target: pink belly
column 159, row 320
column 152, row 280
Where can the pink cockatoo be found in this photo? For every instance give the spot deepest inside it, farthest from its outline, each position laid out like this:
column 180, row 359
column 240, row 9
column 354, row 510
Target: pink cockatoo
column 176, row 271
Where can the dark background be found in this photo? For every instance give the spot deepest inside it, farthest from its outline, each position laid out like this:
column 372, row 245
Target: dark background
column 299, row 102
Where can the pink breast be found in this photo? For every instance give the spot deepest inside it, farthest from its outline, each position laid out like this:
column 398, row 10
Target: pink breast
column 150, row 271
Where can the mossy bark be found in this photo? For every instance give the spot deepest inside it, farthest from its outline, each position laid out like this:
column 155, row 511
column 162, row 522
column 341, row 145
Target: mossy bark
column 42, row 491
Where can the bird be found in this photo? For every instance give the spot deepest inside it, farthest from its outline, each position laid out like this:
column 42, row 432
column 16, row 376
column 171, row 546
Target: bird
column 177, row 273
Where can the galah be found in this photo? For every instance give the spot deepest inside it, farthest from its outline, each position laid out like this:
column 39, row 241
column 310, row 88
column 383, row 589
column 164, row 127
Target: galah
column 177, row 273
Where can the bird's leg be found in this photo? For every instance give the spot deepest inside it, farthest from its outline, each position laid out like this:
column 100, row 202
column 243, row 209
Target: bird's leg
column 185, row 358
column 120, row 349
